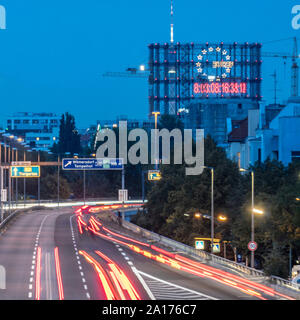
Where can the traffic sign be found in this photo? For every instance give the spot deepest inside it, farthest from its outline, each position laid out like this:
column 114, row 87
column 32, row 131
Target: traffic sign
column 154, row 175
column 3, row 195
column 92, row 164
column 252, row 245
column 123, row 195
column 216, row 248
column 21, row 163
column 25, row 171
column 199, row 244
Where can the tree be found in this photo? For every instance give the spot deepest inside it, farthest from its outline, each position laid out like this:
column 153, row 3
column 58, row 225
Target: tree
column 69, row 139
column 177, row 194
column 49, row 187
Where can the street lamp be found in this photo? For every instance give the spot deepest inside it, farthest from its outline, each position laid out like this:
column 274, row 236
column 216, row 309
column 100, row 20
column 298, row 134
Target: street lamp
column 253, row 210
column 156, row 114
column 222, row 218
column 212, row 206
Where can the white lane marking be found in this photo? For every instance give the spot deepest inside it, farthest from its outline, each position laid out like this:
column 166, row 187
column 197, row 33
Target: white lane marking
column 34, row 255
column 78, row 258
column 175, row 285
column 143, row 283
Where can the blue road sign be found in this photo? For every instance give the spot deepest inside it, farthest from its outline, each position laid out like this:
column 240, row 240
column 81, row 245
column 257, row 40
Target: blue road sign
column 25, row 171
column 92, row 164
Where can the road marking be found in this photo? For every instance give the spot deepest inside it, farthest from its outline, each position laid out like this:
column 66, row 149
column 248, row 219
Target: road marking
column 164, row 290
column 34, row 257
column 143, row 283
column 78, row 259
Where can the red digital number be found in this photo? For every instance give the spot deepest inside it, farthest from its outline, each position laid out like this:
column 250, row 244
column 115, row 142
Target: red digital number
column 216, row 88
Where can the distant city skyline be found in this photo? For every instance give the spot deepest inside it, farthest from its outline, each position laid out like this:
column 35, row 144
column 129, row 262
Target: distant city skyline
column 54, row 53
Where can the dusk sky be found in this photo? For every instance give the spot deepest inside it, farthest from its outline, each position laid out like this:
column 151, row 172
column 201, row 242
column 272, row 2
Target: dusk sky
column 53, row 53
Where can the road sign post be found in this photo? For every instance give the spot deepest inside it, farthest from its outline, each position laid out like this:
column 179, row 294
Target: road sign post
column 199, row 245
column 84, row 164
column 154, row 175
column 123, row 196
column 92, row 164
column 252, row 246
column 25, row 171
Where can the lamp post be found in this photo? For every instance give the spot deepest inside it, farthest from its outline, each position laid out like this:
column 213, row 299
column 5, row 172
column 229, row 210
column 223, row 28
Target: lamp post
column 156, row 114
column 253, row 211
column 212, row 230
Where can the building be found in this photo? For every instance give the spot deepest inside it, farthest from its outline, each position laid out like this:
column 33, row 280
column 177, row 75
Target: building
column 182, row 73
column 131, row 123
column 39, row 130
column 271, row 132
column 217, row 116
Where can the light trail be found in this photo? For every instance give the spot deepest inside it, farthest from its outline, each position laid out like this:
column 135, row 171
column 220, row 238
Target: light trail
column 120, row 277
column 105, row 282
column 188, row 265
column 38, row 274
column 58, row 275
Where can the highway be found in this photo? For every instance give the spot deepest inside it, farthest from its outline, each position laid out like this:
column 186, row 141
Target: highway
column 68, row 254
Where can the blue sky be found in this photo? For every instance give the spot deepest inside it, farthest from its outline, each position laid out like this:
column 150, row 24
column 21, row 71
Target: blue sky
column 53, row 53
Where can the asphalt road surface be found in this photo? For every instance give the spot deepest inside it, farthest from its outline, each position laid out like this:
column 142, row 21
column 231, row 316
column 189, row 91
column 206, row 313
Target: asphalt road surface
column 60, row 254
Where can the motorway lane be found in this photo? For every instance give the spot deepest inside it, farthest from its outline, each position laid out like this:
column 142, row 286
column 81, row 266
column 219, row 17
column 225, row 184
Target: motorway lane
column 31, row 242
column 18, row 247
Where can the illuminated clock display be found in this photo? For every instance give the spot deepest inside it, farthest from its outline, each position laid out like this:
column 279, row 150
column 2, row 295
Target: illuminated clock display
column 220, row 71
column 225, row 88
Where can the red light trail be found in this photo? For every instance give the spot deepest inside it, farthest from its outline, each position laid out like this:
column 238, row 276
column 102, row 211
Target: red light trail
column 58, row 275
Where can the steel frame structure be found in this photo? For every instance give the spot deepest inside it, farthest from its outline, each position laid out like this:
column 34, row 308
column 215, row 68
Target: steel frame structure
column 173, row 72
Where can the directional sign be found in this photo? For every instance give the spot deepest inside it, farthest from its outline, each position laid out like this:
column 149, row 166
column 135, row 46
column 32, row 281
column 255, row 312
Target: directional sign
column 92, row 164
column 25, row 171
column 154, row 175
column 199, row 244
column 252, row 245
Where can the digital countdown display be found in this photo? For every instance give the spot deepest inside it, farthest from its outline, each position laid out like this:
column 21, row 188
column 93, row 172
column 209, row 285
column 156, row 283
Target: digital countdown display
column 225, row 71
column 225, row 88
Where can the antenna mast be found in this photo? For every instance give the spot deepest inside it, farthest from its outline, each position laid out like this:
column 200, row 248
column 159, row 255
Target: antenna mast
column 172, row 25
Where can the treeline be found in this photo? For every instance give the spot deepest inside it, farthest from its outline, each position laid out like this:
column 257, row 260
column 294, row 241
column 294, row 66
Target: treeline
column 174, row 199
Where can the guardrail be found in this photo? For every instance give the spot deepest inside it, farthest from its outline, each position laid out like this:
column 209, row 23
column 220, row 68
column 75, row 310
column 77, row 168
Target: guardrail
column 9, row 217
column 66, row 203
column 205, row 256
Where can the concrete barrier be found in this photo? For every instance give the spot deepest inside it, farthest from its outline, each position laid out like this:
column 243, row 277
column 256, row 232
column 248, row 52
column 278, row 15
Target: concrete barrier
column 205, row 257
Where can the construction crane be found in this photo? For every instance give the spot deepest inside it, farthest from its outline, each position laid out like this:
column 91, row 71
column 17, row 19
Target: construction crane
column 129, row 73
column 294, row 69
column 142, row 72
